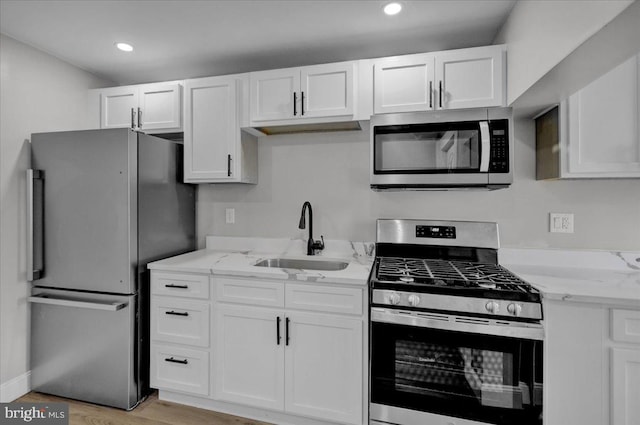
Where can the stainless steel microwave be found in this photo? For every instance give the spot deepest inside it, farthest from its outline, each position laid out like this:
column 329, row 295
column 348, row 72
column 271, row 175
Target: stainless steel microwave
column 442, row 150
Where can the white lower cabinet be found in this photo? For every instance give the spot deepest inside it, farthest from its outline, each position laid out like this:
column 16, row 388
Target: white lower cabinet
column 179, row 369
column 180, row 332
column 249, row 363
column 322, row 364
column 294, row 349
column 283, row 347
column 592, row 364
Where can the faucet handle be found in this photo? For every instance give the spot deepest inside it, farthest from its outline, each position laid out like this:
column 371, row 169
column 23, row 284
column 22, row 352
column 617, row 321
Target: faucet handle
column 318, row 245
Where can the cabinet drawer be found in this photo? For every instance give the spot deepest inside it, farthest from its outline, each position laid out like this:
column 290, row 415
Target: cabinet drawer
column 324, row 298
column 180, row 321
column 180, row 285
column 625, row 325
column 247, row 291
column 179, row 369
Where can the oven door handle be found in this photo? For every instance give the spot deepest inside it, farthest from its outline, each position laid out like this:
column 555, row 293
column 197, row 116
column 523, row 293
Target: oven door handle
column 485, row 146
column 457, row 323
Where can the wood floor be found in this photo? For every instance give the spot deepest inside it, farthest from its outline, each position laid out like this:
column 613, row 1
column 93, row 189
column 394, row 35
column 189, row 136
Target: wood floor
column 151, row 412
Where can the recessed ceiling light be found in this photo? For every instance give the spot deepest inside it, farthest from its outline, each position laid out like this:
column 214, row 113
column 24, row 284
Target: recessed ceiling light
column 392, row 8
column 124, row 47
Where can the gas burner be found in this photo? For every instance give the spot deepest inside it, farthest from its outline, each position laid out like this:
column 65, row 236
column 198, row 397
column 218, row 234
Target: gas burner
column 438, row 275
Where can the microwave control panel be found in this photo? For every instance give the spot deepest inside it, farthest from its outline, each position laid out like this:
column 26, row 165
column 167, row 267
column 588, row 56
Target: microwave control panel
column 499, row 155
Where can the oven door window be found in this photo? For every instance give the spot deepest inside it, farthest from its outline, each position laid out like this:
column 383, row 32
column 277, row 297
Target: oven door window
column 473, row 376
column 427, row 148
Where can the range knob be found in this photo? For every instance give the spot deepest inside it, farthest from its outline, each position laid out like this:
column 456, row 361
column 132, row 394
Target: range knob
column 414, row 300
column 492, row 307
column 393, row 298
column 515, row 309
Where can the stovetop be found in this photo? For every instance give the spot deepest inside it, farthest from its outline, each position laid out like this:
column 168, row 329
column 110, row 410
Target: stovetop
column 451, row 277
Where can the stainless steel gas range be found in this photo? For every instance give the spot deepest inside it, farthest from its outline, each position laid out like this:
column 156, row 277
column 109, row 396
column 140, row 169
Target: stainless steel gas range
column 456, row 339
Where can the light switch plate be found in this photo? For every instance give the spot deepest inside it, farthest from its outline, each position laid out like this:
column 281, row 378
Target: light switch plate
column 230, row 215
column 560, row 223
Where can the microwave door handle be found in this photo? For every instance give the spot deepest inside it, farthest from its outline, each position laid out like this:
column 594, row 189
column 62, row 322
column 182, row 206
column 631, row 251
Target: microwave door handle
column 485, row 146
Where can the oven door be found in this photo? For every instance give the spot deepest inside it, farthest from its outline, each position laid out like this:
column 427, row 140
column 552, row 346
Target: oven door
column 481, row 370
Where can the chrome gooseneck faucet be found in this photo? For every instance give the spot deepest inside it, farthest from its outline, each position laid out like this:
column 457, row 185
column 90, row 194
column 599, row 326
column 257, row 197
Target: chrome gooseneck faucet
column 312, row 246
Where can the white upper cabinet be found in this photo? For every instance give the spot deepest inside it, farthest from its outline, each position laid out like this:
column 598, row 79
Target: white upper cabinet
column 274, row 94
column 289, row 95
column 466, row 78
column 603, row 134
column 404, row 84
column 595, row 132
column 216, row 151
column 160, row 106
column 327, row 90
column 152, row 108
column 470, row 78
column 118, row 107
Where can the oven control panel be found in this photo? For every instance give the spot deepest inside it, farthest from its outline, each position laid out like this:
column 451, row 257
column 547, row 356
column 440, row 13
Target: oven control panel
column 442, row 232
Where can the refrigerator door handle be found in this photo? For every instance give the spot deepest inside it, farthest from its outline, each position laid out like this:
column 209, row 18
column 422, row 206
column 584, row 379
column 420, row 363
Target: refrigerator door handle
column 43, row 299
column 34, row 233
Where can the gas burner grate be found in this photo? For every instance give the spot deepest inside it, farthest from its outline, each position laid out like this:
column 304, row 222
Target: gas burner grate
column 449, row 273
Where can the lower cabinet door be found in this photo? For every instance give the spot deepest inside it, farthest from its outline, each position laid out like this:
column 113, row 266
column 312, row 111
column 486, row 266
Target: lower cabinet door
column 179, row 369
column 249, row 358
column 323, row 375
column 625, row 386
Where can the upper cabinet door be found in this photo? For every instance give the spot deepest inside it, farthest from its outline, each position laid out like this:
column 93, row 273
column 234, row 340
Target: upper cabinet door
column 470, row 78
column 211, row 128
column 403, row 84
column 327, row 90
column 119, row 107
column 275, row 94
column 160, row 107
column 603, row 133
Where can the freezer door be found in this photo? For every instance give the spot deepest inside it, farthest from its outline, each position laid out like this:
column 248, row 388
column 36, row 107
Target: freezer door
column 83, row 346
column 90, row 209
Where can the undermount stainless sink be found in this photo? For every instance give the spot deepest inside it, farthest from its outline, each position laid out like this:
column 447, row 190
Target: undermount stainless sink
column 296, row 263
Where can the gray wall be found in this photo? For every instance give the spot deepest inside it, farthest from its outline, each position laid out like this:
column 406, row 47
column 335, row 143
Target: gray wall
column 39, row 93
column 331, row 170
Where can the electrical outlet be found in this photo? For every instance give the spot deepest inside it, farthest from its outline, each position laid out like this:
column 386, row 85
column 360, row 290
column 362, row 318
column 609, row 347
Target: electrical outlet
column 561, row 223
column 230, row 215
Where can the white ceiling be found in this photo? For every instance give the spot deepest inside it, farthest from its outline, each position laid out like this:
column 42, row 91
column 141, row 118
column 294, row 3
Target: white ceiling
column 184, row 39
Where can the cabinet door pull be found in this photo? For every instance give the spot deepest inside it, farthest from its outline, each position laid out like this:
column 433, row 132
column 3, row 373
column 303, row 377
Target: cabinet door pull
column 172, row 360
column 133, row 118
column 177, row 313
column 229, row 165
column 139, row 118
column 302, row 102
column 295, row 101
column 278, row 330
column 430, row 94
column 440, row 93
column 171, row 285
column 286, row 331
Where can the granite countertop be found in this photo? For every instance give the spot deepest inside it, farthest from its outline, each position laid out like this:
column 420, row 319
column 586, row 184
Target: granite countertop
column 604, row 277
column 582, row 276
column 238, row 256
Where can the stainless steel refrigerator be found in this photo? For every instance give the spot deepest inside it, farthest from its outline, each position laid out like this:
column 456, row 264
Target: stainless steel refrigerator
column 101, row 205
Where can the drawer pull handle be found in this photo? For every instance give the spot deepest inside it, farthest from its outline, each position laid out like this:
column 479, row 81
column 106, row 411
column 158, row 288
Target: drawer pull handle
column 172, row 360
column 177, row 313
column 171, row 285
